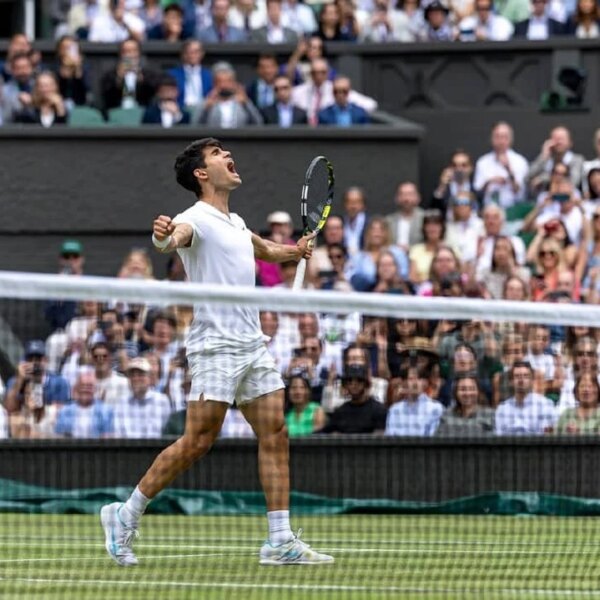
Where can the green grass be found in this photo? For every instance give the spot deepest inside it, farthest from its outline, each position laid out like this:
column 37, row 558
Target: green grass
column 377, row 557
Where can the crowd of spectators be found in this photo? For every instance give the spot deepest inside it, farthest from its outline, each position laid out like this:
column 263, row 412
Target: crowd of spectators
column 304, row 89
column 120, row 369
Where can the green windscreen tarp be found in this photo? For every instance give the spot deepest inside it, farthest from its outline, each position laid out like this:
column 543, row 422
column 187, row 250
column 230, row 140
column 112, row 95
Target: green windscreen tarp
column 24, row 498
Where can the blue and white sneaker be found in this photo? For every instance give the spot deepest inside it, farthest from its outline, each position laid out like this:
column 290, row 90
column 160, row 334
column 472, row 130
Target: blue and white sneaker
column 119, row 536
column 294, row 552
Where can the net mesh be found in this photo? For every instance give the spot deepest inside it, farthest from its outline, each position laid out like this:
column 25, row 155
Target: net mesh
column 420, row 429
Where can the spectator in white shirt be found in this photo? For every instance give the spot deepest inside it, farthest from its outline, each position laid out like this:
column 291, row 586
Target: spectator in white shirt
column 387, row 25
column 299, row 16
column 525, row 413
column 466, row 228
column 485, row 25
column 500, row 174
column 317, row 93
column 247, row 15
column 111, row 387
column 413, row 413
column 494, row 219
column 145, row 412
column 543, row 361
column 117, row 25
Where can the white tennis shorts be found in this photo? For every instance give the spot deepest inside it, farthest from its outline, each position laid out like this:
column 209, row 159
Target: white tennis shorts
column 241, row 375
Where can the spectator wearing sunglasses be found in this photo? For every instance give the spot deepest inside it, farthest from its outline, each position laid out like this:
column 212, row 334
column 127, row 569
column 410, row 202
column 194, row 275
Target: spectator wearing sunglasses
column 342, row 112
column 283, row 111
column 362, row 413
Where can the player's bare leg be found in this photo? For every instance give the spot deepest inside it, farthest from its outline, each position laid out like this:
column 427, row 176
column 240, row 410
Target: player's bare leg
column 120, row 520
column 266, row 417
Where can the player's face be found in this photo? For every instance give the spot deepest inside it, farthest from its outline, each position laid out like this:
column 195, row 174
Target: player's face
column 220, row 169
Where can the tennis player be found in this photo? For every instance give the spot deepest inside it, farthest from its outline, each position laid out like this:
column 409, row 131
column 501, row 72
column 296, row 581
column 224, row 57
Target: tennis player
column 227, row 357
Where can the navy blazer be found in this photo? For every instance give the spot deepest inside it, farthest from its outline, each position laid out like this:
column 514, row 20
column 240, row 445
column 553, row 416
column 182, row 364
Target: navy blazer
column 271, row 115
column 554, row 28
column 358, row 115
column 152, row 116
column 179, row 74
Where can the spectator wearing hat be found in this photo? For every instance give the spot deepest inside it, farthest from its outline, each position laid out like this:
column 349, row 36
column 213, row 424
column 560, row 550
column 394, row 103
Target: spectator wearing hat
column 70, row 261
column 281, row 229
column 145, row 412
column 437, row 27
column 33, row 375
column 87, row 416
column 362, row 413
column 413, row 412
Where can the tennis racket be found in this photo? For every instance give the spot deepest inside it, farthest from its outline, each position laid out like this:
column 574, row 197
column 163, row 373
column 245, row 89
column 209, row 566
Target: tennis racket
column 315, row 204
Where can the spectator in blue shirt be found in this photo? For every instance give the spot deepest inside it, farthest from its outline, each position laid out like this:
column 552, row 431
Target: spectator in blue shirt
column 414, row 413
column 87, row 417
column 34, row 370
column 342, row 112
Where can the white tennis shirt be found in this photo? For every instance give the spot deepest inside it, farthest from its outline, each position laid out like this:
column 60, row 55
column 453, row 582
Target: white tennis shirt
column 221, row 252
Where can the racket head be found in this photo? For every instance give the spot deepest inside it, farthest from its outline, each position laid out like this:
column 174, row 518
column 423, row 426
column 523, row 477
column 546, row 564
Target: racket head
column 317, row 194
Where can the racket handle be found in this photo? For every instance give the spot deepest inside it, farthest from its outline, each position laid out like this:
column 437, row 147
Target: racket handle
column 299, row 278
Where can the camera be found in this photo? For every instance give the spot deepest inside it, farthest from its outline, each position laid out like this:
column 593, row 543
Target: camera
column 226, row 93
column 36, row 370
column 561, row 197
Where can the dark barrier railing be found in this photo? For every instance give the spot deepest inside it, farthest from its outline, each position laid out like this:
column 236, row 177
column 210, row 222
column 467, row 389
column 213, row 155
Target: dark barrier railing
column 414, row 469
column 95, row 183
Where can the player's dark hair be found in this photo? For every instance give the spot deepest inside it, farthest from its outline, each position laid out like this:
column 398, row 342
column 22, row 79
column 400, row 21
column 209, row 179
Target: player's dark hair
column 189, row 160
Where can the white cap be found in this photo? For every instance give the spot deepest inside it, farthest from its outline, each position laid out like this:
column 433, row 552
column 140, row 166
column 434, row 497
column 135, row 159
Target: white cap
column 279, row 216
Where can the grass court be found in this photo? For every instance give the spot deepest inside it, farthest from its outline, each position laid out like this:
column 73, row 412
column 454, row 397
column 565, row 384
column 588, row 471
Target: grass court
column 61, row 557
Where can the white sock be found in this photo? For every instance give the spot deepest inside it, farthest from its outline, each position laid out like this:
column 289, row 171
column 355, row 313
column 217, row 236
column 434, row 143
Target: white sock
column 134, row 508
column 279, row 527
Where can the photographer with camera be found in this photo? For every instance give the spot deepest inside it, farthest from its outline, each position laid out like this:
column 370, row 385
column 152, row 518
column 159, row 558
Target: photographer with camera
column 457, row 177
column 164, row 110
column 130, row 83
column 34, row 388
column 227, row 105
column 500, row 174
column 556, row 149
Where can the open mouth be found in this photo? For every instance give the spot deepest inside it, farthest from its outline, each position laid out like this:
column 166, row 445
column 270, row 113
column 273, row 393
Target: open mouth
column 231, row 167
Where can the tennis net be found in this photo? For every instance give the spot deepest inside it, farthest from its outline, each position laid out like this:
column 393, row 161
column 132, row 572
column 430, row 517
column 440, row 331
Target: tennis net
column 420, row 428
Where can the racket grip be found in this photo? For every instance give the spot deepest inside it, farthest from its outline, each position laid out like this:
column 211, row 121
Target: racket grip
column 299, row 278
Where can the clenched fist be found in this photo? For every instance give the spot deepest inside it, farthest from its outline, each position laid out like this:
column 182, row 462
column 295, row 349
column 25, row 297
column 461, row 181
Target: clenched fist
column 163, row 227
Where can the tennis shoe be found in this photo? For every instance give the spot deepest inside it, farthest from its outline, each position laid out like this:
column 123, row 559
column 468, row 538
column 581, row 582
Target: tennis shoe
column 119, row 536
column 294, row 552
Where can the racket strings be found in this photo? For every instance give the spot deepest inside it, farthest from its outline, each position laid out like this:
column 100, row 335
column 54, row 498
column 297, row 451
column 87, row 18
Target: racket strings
column 317, row 197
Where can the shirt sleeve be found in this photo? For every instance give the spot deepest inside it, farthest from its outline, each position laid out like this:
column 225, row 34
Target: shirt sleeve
column 187, row 218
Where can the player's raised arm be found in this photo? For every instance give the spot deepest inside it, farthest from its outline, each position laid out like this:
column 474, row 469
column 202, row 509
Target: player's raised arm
column 278, row 253
column 168, row 236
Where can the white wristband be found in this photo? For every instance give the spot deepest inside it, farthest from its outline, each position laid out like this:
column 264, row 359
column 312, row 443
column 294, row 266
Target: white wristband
column 161, row 245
